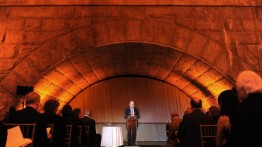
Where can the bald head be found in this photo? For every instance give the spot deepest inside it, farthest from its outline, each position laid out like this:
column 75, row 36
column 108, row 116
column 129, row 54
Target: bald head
column 132, row 104
column 196, row 103
column 32, row 98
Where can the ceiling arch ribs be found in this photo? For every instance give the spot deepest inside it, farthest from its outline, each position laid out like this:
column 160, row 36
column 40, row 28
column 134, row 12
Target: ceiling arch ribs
column 191, row 75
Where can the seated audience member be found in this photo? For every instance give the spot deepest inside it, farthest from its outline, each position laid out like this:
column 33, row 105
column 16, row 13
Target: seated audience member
column 30, row 114
column 78, row 121
column 214, row 113
column 69, row 119
column 189, row 130
column 3, row 129
column 249, row 90
column 67, row 114
column 76, row 115
column 94, row 138
column 172, row 128
column 228, row 103
column 59, row 128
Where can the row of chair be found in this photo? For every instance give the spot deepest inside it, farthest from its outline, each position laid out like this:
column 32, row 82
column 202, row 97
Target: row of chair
column 28, row 131
column 207, row 132
column 81, row 131
column 208, row 135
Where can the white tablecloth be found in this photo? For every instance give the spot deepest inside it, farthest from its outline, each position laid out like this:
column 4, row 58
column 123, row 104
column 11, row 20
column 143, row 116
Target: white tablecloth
column 112, row 136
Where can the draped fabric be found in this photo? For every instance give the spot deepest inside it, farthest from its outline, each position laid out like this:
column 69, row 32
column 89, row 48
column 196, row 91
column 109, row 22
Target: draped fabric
column 155, row 100
column 145, row 132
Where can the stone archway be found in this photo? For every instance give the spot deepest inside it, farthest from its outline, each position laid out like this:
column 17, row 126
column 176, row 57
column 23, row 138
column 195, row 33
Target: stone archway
column 191, row 48
column 189, row 74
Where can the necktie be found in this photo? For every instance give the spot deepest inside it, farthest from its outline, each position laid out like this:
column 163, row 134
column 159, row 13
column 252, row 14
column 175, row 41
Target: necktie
column 132, row 111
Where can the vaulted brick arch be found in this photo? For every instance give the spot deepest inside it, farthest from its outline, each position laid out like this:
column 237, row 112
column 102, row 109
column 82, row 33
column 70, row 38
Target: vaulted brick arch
column 68, row 63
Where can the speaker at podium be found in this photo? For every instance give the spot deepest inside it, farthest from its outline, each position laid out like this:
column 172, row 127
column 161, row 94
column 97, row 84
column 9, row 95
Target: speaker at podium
column 131, row 116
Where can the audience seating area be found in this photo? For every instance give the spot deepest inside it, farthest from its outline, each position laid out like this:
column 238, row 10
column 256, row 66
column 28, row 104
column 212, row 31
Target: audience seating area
column 68, row 135
column 28, row 131
column 207, row 132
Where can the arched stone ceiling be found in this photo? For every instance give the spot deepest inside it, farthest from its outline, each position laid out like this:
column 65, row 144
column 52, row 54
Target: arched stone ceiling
column 63, row 63
column 189, row 74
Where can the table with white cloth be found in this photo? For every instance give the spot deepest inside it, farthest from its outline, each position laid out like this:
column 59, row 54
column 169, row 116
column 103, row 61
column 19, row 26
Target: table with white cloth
column 112, row 136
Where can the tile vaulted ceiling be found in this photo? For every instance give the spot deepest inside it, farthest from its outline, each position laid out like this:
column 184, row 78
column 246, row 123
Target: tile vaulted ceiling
column 189, row 74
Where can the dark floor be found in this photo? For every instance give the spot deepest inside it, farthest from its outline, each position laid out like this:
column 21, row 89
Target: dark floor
column 148, row 144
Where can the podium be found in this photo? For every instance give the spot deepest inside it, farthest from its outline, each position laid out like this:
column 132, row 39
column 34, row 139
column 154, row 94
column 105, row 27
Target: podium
column 131, row 126
column 132, row 122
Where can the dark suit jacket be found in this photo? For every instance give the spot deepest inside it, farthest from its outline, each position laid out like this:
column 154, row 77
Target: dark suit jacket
column 189, row 130
column 249, row 121
column 128, row 112
column 91, row 123
column 59, row 128
column 92, row 130
column 70, row 120
column 30, row 115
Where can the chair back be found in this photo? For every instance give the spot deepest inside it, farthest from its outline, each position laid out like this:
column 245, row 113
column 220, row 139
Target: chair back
column 79, row 134
column 68, row 135
column 208, row 135
column 85, row 135
column 27, row 129
column 86, row 129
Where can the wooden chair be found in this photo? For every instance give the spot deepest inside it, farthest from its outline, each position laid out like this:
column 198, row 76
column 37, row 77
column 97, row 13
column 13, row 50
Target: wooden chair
column 208, row 135
column 79, row 134
column 85, row 135
column 68, row 135
column 86, row 129
column 27, row 129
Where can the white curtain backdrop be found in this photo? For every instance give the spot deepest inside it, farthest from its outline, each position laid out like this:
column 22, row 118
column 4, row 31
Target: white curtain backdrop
column 155, row 100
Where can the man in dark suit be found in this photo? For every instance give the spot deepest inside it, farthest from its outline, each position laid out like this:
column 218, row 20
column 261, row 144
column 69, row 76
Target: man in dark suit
column 131, row 114
column 59, row 127
column 94, row 139
column 189, row 130
column 30, row 115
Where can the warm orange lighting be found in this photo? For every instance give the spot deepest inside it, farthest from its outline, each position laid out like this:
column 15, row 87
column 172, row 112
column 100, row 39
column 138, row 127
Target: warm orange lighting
column 205, row 104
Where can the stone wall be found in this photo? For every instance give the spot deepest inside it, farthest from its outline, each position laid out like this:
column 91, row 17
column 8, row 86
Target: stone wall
column 135, row 2
column 35, row 39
